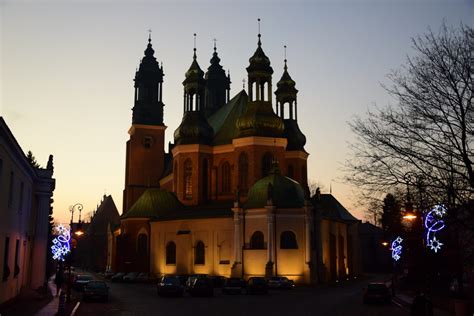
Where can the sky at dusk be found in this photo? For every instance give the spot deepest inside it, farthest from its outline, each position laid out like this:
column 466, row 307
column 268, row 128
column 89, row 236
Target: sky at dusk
column 67, row 69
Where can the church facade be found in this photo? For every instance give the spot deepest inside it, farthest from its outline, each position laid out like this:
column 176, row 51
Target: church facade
column 230, row 197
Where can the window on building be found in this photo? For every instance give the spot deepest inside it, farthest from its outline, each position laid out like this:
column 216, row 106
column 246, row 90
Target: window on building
column 17, row 267
column 243, row 172
column 291, row 172
column 288, row 240
column 148, row 141
column 142, row 245
column 267, row 161
column 257, row 240
column 199, row 253
column 226, row 177
column 171, row 253
column 6, row 268
column 10, row 192
column 188, row 180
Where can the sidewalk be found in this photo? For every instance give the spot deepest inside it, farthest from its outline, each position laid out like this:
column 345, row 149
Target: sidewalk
column 52, row 307
column 28, row 302
column 406, row 300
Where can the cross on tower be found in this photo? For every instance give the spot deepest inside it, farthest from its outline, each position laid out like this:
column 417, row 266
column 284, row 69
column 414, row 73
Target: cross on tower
column 215, row 40
column 149, row 35
column 243, row 83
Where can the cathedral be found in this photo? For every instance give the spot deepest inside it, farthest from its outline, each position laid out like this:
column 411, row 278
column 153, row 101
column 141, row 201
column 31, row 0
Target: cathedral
column 230, row 196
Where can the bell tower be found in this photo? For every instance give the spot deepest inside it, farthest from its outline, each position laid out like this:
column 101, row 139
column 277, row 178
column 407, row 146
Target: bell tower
column 145, row 148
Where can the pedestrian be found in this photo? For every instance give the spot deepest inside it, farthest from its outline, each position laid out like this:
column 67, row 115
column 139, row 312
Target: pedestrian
column 59, row 280
column 421, row 305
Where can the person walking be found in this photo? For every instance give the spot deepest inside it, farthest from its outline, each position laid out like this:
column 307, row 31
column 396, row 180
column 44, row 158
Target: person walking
column 59, row 280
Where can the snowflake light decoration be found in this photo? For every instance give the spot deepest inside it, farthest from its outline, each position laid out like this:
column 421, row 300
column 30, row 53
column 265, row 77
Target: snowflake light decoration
column 435, row 244
column 61, row 246
column 397, row 248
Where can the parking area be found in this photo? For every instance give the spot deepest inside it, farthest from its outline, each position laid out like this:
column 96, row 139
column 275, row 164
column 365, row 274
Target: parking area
column 337, row 299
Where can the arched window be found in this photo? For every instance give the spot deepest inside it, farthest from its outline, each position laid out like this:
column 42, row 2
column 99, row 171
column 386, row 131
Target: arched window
column 226, row 177
column 199, row 253
column 267, row 161
column 170, row 253
column 257, row 240
column 291, row 172
column 142, row 245
column 188, row 180
column 243, row 172
column 288, row 240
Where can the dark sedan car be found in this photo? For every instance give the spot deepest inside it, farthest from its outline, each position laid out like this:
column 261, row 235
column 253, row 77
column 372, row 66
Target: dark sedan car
column 81, row 280
column 233, row 286
column 377, row 292
column 170, row 286
column 257, row 285
column 96, row 290
column 202, row 287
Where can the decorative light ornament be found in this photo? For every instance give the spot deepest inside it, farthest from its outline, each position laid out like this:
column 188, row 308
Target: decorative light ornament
column 397, row 248
column 433, row 224
column 61, row 243
column 435, row 244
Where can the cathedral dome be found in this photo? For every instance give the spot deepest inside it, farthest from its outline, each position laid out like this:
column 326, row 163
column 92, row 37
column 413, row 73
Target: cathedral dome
column 194, row 129
column 283, row 191
column 259, row 62
column 296, row 139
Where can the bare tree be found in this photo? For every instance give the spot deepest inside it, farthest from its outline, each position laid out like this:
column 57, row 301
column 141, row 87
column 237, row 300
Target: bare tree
column 426, row 140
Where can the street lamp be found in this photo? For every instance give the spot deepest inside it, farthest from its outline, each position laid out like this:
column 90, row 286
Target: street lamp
column 79, row 232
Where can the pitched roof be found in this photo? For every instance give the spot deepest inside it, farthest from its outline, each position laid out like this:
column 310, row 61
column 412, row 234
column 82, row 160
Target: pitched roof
column 330, row 208
column 106, row 213
column 154, row 203
column 224, row 121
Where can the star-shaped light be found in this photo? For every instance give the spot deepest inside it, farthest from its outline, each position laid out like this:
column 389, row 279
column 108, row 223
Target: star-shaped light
column 435, row 245
column 440, row 210
column 399, row 240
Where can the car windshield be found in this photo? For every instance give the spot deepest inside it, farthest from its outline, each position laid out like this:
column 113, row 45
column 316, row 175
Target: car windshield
column 376, row 287
column 96, row 284
column 172, row 280
column 257, row 281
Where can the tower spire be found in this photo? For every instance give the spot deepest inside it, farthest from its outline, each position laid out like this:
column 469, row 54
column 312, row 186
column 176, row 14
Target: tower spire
column 215, row 47
column 286, row 67
column 194, row 56
column 259, row 35
column 149, row 35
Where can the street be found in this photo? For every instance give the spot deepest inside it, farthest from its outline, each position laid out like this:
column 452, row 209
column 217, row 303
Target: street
column 141, row 299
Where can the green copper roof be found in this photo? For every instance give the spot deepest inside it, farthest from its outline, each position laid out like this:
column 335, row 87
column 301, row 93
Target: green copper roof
column 224, row 120
column 154, row 203
column 285, row 192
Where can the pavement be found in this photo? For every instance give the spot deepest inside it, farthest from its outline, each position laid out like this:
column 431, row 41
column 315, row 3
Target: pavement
column 405, row 300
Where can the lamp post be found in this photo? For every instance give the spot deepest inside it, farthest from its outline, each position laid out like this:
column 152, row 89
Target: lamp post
column 78, row 232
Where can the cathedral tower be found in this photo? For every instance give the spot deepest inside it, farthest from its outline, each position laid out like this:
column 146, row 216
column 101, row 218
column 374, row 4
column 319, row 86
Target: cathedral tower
column 145, row 148
column 217, row 86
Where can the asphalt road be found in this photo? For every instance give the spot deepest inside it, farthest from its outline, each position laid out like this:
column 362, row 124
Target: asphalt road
column 141, row 299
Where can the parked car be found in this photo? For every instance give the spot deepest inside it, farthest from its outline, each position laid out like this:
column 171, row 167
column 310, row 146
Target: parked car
column 234, row 286
column 192, row 278
column 170, row 285
column 130, row 277
column 143, row 277
column 218, row 281
column 96, row 289
column 280, row 283
column 257, row 285
column 108, row 275
column 202, row 287
column 118, row 277
column 377, row 292
column 80, row 280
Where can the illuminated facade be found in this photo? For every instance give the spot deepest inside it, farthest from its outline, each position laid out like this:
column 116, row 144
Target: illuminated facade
column 230, row 197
